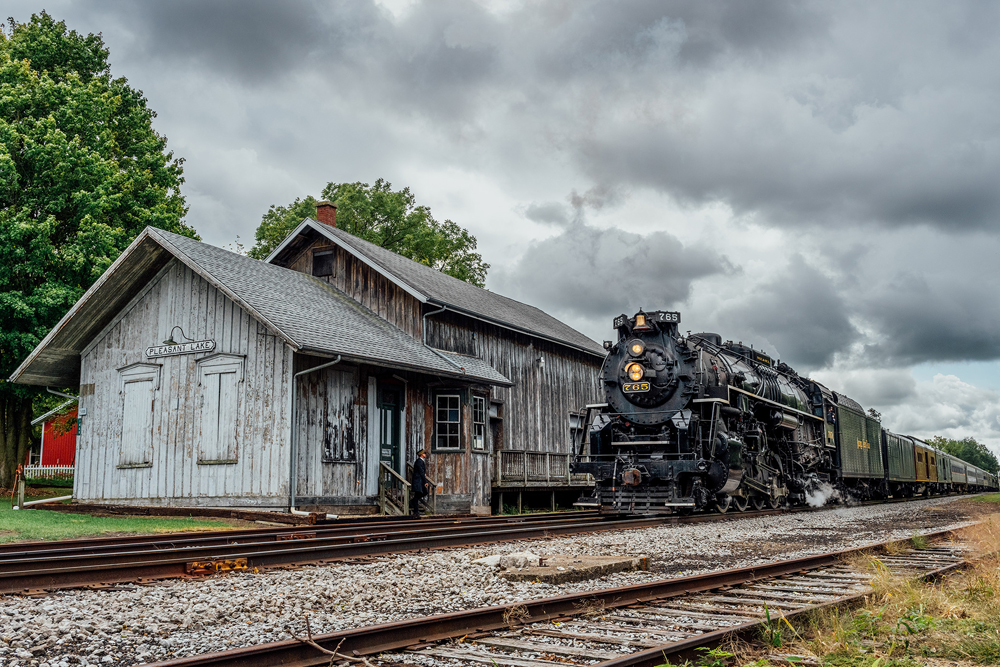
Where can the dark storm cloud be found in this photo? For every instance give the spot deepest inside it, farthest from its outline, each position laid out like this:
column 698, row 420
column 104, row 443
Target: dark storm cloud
column 801, row 314
column 801, row 113
column 586, row 272
column 935, row 318
column 550, row 212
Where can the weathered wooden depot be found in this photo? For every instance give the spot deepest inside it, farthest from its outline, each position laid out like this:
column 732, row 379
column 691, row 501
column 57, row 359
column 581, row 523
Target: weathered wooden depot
column 204, row 375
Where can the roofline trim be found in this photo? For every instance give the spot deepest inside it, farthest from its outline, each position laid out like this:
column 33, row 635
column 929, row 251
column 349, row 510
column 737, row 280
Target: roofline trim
column 406, row 367
column 212, row 280
column 506, row 325
column 340, row 243
column 355, row 252
column 143, row 235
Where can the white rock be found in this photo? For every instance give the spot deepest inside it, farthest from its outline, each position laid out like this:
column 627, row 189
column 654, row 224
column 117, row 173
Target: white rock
column 519, row 560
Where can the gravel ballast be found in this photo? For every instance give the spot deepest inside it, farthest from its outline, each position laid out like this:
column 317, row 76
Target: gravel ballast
column 133, row 624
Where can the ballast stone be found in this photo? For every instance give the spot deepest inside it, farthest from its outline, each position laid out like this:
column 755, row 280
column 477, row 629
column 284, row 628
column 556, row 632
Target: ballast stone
column 515, row 561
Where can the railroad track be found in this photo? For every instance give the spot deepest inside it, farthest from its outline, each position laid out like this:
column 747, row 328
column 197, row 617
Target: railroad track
column 38, row 567
column 634, row 626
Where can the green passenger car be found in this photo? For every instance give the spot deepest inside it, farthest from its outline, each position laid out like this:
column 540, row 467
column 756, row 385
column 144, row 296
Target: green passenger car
column 899, row 452
column 860, row 442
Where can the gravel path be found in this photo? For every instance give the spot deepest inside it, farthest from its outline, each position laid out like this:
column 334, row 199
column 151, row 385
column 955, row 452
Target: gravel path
column 136, row 624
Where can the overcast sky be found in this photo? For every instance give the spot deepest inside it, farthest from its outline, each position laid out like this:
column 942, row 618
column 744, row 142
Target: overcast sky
column 818, row 179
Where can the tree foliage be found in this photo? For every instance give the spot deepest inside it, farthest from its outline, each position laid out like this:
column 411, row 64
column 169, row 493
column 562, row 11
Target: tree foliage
column 82, row 172
column 969, row 450
column 388, row 218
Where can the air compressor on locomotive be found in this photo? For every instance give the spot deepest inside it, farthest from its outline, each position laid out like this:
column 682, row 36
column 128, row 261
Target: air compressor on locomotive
column 691, row 422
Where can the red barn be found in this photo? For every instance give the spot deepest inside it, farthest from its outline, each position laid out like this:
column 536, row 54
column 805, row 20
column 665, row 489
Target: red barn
column 58, row 441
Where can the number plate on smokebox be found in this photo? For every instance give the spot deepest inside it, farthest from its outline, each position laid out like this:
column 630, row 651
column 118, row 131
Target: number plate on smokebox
column 634, row 387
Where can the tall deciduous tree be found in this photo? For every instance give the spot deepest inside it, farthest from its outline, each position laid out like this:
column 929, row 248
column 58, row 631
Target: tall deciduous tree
column 82, row 172
column 969, row 450
column 388, row 218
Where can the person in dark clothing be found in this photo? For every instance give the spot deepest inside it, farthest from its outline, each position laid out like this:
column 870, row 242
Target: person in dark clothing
column 418, row 481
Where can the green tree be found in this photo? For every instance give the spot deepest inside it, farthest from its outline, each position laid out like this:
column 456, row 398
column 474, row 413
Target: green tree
column 82, row 172
column 388, row 218
column 969, row 450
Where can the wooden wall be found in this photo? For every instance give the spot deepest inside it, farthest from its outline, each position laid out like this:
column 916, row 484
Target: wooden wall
column 367, row 287
column 536, row 409
column 332, row 425
column 179, row 297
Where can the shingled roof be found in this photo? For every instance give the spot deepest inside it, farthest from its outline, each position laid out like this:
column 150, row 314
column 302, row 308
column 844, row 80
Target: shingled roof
column 432, row 286
column 307, row 313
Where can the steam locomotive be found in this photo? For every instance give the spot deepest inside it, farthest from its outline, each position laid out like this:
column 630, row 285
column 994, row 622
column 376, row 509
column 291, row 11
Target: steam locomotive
column 693, row 423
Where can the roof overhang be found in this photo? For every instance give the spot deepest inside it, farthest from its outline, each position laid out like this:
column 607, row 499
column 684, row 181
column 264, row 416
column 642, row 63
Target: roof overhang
column 56, row 360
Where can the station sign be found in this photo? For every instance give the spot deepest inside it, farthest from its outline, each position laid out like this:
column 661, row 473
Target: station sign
column 191, row 347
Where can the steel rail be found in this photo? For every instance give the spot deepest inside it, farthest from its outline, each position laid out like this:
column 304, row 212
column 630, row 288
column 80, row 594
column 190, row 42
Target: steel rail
column 38, row 571
column 686, row 648
column 386, row 637
column 156, row 542
column 357, row 524
column 38, row 567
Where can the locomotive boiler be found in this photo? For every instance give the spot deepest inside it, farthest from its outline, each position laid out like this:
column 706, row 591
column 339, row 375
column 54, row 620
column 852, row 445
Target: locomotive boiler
column 691, row 422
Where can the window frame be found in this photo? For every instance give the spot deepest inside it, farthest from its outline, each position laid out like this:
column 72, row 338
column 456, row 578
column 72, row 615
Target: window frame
column 326, row 254
column 453, row 394
column 479, row 410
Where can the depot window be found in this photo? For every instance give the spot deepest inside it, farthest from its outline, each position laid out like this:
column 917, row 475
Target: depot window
column 478, row 422
column 323, row 263
column 448, row 421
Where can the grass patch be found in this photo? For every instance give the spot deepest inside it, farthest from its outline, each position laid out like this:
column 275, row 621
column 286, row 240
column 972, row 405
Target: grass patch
column 61, row 482
column 39, row 524
column 988, row 498
column 904, row 623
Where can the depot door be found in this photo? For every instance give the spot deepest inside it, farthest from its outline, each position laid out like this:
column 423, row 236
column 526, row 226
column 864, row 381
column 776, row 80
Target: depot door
column 389, row 409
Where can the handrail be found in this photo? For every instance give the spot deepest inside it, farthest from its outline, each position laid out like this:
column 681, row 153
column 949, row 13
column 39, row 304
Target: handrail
column 432, row 496
column 523, row 466
column 393, row 473
column 388, row 476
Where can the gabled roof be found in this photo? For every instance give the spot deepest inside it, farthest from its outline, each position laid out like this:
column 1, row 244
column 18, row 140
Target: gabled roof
column 432, row 286
column 308, row 314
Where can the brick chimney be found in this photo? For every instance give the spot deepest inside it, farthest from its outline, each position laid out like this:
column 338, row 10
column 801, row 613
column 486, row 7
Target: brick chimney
column 326, row 212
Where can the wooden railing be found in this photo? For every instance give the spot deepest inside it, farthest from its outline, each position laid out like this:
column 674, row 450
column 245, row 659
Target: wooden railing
column 47, row 472
column 521, row 468
column 394, row 492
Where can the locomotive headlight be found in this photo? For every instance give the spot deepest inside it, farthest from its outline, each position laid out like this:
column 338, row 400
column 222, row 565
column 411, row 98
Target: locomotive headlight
column 636, row 348
column 635, row 372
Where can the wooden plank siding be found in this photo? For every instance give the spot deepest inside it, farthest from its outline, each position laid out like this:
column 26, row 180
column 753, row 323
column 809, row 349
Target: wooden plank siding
column 176, row 296
column 367, row 287
column 536, row 409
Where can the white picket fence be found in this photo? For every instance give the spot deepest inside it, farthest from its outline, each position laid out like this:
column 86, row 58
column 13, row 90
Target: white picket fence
column 47, row 472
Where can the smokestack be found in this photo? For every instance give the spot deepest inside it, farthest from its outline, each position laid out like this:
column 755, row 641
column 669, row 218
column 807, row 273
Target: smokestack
column 326, row 212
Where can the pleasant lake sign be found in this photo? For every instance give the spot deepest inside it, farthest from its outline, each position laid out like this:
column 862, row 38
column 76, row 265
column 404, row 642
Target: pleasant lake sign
column 180, row 348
